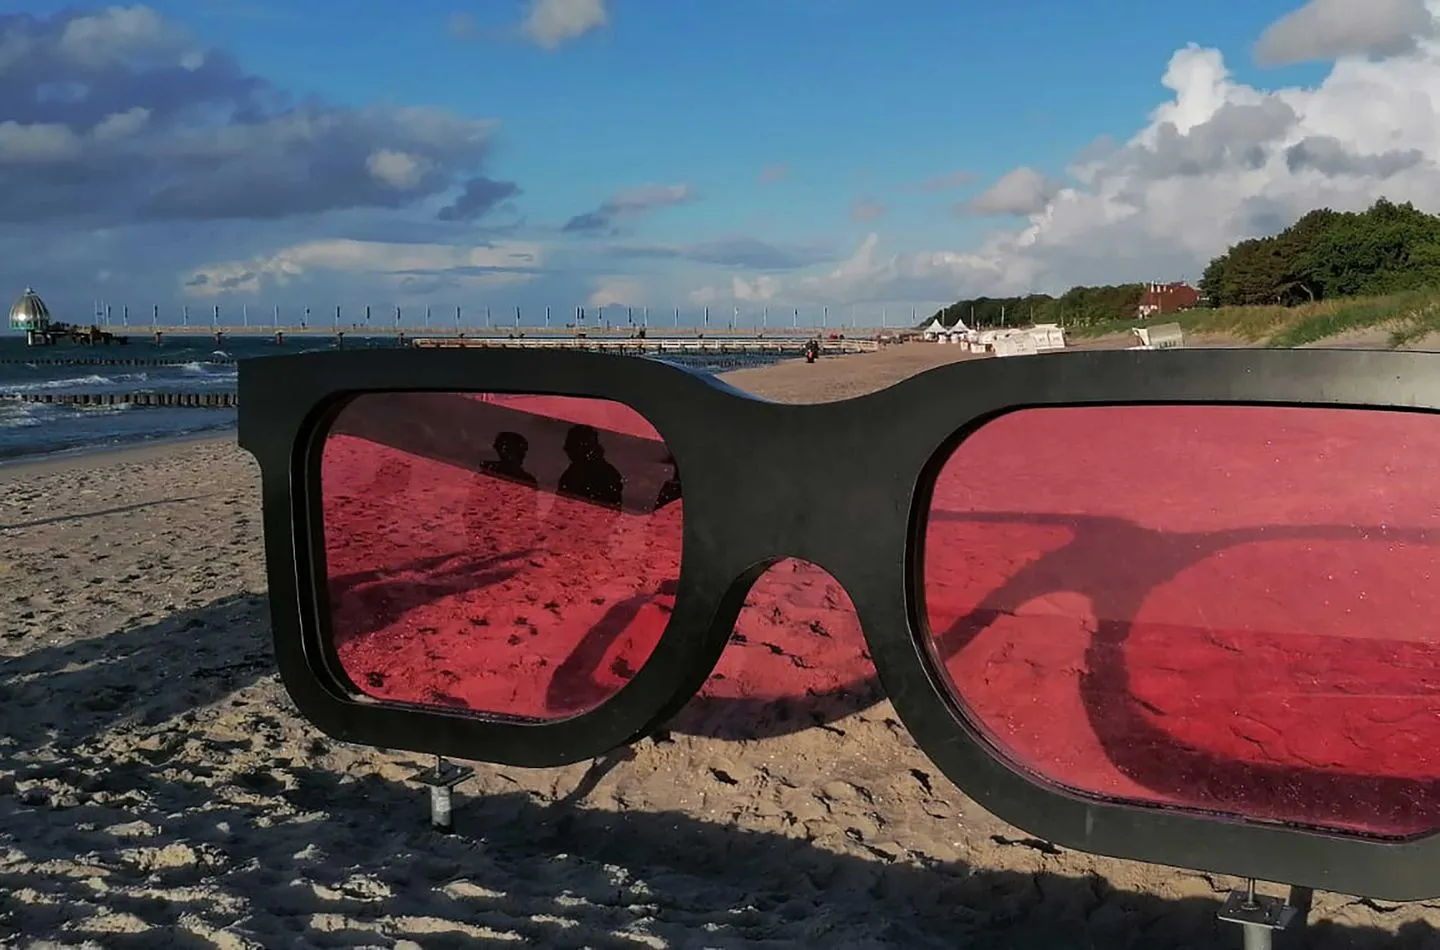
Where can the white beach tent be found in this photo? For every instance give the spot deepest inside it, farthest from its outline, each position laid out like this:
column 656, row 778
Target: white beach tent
column 935, row 330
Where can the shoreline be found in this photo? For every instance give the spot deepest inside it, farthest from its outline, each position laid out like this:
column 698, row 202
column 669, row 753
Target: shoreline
column 45, row 453
column 87, row 457
column 790, row 379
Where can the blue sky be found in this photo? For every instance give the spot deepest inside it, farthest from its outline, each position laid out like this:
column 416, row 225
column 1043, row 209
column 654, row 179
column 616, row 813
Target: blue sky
column 760, row 152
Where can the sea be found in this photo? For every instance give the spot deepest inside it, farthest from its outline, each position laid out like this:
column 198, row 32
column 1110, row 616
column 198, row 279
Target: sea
column 196, row 365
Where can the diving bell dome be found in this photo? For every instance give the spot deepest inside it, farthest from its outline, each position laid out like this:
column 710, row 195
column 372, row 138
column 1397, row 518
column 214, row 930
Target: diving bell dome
column 29, row 312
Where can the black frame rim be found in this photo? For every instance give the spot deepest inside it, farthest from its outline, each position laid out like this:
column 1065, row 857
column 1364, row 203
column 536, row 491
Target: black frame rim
column 867, row 477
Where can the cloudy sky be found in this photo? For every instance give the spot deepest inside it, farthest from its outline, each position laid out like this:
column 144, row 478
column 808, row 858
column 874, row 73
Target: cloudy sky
column 750, row 153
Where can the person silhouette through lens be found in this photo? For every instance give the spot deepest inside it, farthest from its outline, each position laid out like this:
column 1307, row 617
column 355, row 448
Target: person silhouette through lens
column 511, row 447
column 589, row 475
column 670, row 491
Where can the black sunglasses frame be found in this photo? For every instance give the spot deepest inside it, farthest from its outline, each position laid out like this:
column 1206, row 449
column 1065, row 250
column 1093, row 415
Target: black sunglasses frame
column 846, row 487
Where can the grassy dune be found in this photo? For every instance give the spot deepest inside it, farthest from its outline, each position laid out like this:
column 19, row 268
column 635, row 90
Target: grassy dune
column 1407, row 317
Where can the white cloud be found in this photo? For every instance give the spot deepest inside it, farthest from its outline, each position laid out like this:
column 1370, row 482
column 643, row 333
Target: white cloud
column 481, row 266
column 549, row 23
column 649, row 196
column 114, row 116
column 617, row 292
column 121, row 125
column 758, row 290
column 400, row 170
column 1330, row 29
column 37, row 142
column 118, row 34
column 629, row 202
column 48, row 142
column 1222, row 161
column 867, row 276
column 762, row 289
column 1020, row 191
column 1218, row 162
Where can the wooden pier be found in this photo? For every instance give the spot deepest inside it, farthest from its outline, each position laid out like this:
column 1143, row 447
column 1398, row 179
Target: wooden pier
column 158, row 332
column 654, row 346
column 54, row 333
column 508, row 331
column 620, row 340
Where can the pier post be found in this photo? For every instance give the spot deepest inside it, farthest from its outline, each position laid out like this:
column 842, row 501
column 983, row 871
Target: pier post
column 279, row 337
column 159, row 338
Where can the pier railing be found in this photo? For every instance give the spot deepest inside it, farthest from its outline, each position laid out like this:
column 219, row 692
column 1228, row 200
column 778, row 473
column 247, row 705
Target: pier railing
column 655, row 345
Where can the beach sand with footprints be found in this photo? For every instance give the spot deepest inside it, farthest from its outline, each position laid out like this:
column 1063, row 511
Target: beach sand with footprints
column 157, row 788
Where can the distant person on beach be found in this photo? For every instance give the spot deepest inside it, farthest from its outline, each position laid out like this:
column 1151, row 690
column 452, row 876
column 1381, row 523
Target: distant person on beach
column 589, row 475
column 670, row 491
column 511, row 448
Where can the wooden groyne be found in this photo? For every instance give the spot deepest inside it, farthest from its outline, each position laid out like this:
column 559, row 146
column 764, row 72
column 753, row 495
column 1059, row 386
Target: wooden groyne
column 224, row 400
column 103, row 361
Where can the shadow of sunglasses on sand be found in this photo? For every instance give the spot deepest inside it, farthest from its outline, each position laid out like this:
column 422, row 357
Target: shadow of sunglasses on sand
column 187, row 838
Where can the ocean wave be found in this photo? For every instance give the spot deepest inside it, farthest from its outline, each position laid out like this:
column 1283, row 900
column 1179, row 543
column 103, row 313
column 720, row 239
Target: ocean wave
column 94, row 379
column 21, row 415
column 89, row 381
column 202, row 368
column 28, row 429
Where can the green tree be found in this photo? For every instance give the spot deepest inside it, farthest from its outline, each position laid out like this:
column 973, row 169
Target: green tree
column 1326, row 253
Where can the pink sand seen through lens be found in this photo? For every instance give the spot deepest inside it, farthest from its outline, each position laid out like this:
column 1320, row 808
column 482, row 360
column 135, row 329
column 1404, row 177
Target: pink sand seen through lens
column 1222, row 608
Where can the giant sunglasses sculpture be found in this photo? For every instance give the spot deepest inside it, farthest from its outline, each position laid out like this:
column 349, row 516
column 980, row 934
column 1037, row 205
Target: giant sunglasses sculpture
column 1174, row 607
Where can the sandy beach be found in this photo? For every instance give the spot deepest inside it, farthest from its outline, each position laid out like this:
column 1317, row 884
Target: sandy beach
column 157, row 788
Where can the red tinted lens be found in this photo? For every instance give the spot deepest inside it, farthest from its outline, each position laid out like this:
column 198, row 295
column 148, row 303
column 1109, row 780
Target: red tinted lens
column 796, row 659
column 506, row 555
column 1217, row 607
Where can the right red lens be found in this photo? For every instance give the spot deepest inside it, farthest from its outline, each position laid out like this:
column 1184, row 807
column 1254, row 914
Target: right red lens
column 1232, row 609
column 507, row 555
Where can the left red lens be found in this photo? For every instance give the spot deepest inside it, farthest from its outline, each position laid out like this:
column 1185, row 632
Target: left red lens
column 508, row 555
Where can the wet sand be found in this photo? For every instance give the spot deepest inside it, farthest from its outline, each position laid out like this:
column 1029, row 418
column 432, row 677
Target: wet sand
column 157, row 788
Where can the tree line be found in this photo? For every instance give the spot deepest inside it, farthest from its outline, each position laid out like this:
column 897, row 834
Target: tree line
column 1077, row 306
column 1388, row 248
